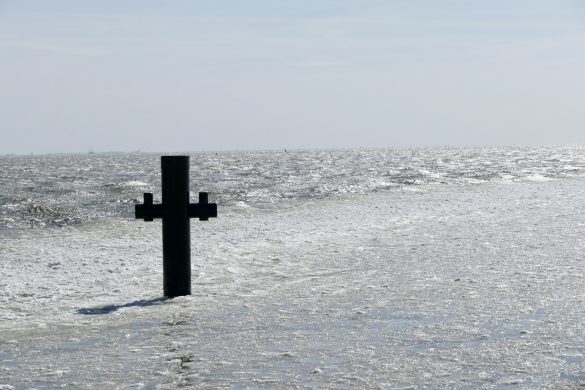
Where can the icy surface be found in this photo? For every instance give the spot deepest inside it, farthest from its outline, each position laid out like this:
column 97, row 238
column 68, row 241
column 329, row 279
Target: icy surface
column 449, row 286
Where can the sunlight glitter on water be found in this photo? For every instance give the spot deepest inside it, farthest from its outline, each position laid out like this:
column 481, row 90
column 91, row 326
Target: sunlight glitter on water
column 450, row 287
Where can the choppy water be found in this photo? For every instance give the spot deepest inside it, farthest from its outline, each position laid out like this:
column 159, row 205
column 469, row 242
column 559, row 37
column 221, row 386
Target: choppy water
column 61, row 190
column 423, row 268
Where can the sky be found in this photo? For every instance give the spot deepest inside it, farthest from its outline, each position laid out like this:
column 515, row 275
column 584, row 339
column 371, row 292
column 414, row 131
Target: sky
column 178, row 75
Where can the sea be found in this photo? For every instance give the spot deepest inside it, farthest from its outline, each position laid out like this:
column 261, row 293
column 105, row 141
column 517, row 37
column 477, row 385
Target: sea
column 423, row 268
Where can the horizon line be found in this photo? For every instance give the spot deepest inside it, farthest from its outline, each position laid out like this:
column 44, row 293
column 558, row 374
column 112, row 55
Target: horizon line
column 292, row 149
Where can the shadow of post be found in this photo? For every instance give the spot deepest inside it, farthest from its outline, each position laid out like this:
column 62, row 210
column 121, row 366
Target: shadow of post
column 92, row 311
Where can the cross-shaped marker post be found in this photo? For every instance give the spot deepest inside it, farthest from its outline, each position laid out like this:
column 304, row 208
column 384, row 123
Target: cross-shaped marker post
column 175, row 211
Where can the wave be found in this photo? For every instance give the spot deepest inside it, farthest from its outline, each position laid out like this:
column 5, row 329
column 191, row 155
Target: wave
column 56, row 191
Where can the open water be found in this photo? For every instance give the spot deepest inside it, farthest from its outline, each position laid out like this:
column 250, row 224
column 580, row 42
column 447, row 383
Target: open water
column 392, row 269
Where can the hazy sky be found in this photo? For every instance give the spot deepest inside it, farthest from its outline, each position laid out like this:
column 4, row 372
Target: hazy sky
column 122, row 75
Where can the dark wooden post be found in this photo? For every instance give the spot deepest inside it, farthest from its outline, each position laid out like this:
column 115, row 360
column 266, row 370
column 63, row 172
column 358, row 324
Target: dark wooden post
column 175, row 212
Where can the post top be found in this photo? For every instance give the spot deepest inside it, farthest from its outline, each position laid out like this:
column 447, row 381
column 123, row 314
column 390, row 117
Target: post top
column 175, row 158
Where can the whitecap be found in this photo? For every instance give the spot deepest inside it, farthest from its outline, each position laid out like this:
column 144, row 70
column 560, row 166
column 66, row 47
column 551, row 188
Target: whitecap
column 537, row 178
column 135, row 183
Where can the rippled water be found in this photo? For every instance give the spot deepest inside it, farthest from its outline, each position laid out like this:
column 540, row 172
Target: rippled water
column 60, row 190
column 422, row 268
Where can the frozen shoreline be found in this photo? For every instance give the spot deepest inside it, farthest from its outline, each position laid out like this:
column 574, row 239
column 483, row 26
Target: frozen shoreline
column 451, row 286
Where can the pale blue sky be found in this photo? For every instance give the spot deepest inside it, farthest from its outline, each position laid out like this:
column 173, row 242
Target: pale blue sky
column 267, row 74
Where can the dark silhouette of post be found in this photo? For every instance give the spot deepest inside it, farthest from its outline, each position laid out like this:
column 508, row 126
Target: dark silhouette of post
column 175, row 212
